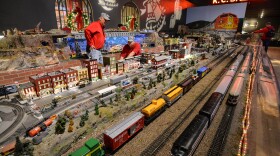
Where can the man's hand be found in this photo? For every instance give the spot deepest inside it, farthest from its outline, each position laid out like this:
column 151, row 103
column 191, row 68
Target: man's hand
column 92, row 48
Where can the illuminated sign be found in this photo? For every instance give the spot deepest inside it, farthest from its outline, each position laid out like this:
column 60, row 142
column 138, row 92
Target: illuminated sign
column 227, row 1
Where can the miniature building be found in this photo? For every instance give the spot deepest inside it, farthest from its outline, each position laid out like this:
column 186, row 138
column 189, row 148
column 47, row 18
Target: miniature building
column 42, row 84
column 82, row 74
column 104, row 72
column 92, row 67
column 120, row 67
column 174, row 53
column 27, row 91
column 111, row 61
column 70, row 77
column 159, row 62
column 57, row 81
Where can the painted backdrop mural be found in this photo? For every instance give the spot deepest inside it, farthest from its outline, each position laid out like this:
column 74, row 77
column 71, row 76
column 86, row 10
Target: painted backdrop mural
column 155, row 14
column 216, row 18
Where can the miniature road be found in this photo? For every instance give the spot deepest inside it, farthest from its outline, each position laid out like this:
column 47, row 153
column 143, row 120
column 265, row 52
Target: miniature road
column 20, row 116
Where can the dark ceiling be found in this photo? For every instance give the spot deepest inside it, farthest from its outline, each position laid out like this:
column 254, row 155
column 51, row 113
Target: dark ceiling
column 254, row 8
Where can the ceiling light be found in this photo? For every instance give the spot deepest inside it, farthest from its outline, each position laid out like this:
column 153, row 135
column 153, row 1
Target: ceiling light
column 262, row 13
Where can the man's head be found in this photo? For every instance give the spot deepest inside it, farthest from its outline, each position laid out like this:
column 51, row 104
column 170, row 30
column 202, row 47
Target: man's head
column 104, row 18
column 268, row 24
column 130, row 40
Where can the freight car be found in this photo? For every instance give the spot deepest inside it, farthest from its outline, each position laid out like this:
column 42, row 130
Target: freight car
column 187, row 84
column 41, row 127
column 122, row 132
column 92, row 147
column 188, row 141
column 172, row 94
column 153, row 110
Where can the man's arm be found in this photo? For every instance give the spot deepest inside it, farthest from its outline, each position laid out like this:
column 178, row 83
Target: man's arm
column 264, row 30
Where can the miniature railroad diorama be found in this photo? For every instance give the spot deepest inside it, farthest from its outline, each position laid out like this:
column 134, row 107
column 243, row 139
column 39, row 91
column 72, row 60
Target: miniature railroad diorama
column 162, row 102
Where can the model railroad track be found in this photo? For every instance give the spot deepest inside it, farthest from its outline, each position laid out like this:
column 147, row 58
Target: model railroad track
column 219, row 141
column 158, row 143
column 20, row 115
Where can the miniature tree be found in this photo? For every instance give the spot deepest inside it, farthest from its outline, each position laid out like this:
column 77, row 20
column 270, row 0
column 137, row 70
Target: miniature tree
column 154, row 83
column 70, row 128
column 86, row 115
column 177, row 75
column 135, row 80
column 180, row 69
column 132, row 95
column 54, row 102
column 60, row 125
column 82, row 122
column 159, row 77
column 71, row 122
column 67, row 113
column 102, row 102
column 127, row 96
column 28, row 148
column 96, row 110
column 192, row 62
column 18, row 147
column 194, row 72
column 111, row 100
column 73, row 96
column 144, row 86
column 163, row 75
column 150, row 84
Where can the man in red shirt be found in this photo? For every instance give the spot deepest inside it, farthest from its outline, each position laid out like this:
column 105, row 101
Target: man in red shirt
column 265, row 39
column 131, row 49
column 95, row 37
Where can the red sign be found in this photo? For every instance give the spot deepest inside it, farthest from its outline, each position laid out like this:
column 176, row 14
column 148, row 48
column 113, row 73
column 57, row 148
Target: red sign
column 228, row 1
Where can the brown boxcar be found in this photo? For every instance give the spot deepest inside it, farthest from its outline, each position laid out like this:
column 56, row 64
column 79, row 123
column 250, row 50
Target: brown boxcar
column 122, row 132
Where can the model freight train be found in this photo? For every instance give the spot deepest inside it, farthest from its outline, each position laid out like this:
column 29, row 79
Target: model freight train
column 122, row 132
column 188, row 141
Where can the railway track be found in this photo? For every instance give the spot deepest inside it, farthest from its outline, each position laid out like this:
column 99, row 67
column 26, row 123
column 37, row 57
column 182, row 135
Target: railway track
column 158, row 143
column 219, row 141
column 20, row 115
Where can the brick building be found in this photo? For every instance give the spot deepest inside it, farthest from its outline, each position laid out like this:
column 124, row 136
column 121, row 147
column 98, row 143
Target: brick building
column 92, row 67
column 42, row 83
column 57, row 81
column 82, row 74
column 111, row 61
column 27, row 91
column 174, row 53
column 159, row 61
column 70, row 77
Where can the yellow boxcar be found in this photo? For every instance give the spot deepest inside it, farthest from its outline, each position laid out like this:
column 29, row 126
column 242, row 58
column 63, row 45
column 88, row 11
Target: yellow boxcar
column 173, row 95
column 170, row 90
column 151, row 109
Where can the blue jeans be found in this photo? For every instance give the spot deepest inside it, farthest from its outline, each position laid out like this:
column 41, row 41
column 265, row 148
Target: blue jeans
column 266, row 44
column 96, row 54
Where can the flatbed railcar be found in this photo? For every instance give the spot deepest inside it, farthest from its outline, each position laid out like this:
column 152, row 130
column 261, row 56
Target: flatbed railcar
column 188, row 141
